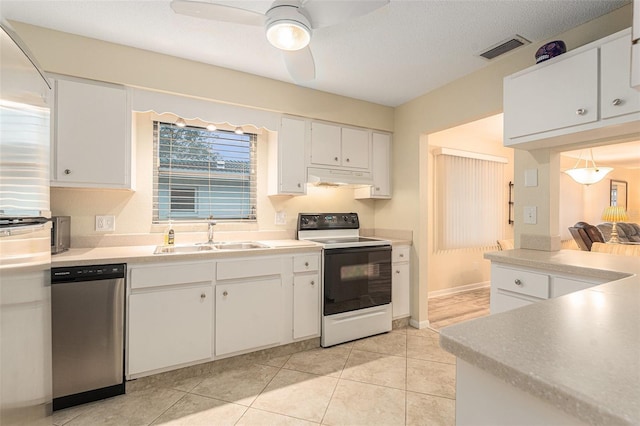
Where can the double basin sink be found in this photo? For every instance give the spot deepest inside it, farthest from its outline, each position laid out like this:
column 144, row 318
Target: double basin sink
column 196, row 248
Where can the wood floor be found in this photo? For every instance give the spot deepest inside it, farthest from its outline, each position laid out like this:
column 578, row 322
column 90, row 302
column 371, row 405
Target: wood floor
column 459, row 307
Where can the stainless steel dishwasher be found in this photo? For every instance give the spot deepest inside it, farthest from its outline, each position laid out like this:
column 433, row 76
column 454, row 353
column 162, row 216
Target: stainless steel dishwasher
column 87, row 317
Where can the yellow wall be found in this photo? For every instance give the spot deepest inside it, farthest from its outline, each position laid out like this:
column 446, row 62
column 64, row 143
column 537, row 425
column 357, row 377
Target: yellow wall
column 470, row 98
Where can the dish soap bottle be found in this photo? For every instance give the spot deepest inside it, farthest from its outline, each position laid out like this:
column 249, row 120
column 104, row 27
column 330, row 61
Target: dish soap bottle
column 169, row 236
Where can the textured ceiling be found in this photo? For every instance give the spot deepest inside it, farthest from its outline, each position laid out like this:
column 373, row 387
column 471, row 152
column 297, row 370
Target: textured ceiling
column 395, row 54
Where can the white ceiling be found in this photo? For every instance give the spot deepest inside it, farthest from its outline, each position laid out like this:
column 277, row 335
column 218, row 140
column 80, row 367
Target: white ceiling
column 397, row 53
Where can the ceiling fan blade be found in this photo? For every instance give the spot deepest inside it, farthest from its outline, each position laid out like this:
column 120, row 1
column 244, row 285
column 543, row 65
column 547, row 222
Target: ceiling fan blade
column 300, row 64
column 217, row 12
column 324, row 13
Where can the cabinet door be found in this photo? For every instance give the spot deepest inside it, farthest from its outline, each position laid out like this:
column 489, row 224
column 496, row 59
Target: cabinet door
column 325, row 144
column 291, row 164
column 617, row 95
column 355, row 148
column 92, row 135
column 400, row 291
column 381, row 144
column 169, row 328
column 248, row 315
column 557, row 95
column 306, row 306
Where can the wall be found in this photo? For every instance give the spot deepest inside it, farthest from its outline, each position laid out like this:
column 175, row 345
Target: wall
column 69, row 54
column 585, row 203
column 467, row 99
column 453, row 268
column 133, row 209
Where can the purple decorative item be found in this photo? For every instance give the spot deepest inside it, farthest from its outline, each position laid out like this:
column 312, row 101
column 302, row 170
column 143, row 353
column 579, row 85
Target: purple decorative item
column 550, row 50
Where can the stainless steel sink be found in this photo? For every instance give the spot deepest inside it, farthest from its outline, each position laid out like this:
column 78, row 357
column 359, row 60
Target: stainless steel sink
column 182, row 249
column 244, row 245
column 195, row 248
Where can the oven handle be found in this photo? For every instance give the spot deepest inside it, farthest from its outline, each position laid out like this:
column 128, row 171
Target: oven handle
column 356, row 249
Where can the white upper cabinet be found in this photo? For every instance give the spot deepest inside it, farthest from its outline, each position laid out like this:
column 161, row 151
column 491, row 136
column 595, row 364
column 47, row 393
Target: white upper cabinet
column 582, row 95
column 381, row 168
column 337, row 146
column 92, row 135
column 618, row 97
column 287, row 171
column 560, row 94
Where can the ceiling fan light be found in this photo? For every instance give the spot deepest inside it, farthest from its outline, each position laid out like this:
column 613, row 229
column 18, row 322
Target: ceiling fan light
column 288, row 35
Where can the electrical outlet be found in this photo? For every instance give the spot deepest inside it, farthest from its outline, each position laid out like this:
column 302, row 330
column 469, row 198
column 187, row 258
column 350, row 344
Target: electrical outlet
column 530, row 215
column 281, row 218
column 105, row 223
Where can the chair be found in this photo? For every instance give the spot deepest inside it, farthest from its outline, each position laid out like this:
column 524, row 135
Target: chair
column 585, row 235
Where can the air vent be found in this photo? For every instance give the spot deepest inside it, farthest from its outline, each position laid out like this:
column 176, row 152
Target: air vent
column 504, row 47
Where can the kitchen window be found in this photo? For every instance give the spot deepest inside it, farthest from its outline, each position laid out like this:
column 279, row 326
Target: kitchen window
column 201, row 174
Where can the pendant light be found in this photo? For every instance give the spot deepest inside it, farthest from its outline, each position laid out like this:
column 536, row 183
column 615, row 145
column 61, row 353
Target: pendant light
column 588, row 175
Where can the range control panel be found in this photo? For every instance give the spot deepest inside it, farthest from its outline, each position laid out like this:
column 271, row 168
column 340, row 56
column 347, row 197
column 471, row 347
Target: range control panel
column 320, row 221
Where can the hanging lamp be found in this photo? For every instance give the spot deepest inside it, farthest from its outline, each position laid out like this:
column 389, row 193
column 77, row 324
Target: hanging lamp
column 588, row 175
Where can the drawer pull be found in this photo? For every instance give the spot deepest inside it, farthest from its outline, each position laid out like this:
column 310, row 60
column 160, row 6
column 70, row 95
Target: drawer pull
column 401, row 255
column 225, row 293
column 518, row 282
column 306, row 264
column 203, row 296
column 617, row 102
column 313, row 282
column 67, row 171
column 581, row 111
column 397, row 271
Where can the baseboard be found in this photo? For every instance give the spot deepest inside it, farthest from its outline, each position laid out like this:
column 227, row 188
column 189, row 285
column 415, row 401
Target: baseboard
column 418, row 324
column 460, row 289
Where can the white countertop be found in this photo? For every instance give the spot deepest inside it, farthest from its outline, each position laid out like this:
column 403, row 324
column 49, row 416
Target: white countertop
column 579, row 352
column 143, row 254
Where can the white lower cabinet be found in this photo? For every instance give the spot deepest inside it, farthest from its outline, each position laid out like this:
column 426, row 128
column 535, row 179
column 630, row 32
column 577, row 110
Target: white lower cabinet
column 183, row 313
column 514, row 287
column 400, row 281
column 248, row 315
column 249, row 304
column 170, row 316
column 306, row 296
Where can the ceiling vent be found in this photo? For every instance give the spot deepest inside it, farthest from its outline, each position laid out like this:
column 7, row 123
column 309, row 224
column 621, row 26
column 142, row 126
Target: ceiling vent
column 504, row 47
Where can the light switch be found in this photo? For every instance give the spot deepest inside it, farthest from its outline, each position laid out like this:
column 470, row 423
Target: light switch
column 530, row 215
column 531, row 177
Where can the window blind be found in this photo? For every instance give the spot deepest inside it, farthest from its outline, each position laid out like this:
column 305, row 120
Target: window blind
column 469, row 200
column 201, row 174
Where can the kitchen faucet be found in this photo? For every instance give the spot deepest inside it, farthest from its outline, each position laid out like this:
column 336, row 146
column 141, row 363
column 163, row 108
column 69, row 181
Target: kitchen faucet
column 212, row 223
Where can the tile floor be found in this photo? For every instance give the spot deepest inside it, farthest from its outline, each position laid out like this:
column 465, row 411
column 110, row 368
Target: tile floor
column 398, row 378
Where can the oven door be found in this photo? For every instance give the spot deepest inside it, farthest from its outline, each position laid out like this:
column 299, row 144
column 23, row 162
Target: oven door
column 356, row 278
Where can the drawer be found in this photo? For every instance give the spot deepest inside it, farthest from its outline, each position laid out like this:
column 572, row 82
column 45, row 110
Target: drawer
column 518, row 281
column 400, row 254
column 306, row 263
column 248, row 268
column 184, row 273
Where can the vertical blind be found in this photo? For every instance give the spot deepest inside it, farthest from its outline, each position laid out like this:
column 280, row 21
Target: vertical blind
column 469, row 197
column 201, row 174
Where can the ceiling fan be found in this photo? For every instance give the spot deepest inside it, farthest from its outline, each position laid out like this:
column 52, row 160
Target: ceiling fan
column 288, row 24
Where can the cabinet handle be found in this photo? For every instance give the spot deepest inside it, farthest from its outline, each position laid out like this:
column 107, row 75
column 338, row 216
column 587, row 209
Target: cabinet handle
column 335, row 158
column 203, row 296
column 67, row 171
column 347, row 160
column 581, row 111
column 299, row 185
column 518, row 282
column 225, row 293
column 397, row 271
column 401, row 255
column 313, row 282
column 306, row 264
column 377, row 188
column 617, row 102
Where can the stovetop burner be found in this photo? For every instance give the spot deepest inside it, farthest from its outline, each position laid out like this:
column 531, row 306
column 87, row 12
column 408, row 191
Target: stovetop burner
column 334, row 230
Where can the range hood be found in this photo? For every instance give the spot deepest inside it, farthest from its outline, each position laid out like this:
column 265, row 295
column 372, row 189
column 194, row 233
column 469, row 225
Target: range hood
column 338, row 177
